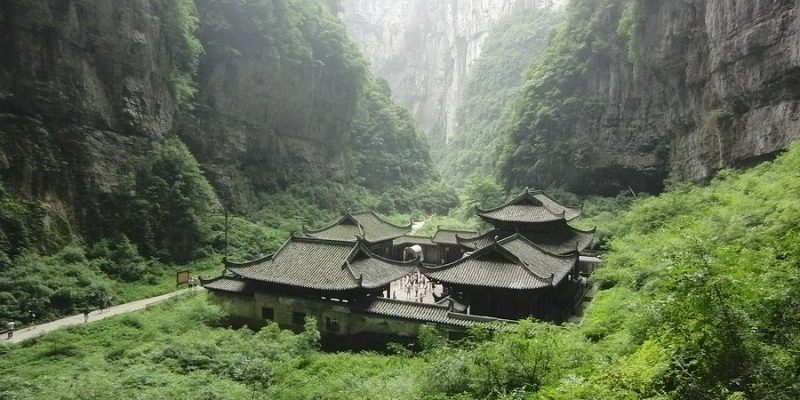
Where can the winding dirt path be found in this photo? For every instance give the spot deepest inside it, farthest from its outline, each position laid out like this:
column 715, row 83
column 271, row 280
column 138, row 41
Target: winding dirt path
column 24, row 334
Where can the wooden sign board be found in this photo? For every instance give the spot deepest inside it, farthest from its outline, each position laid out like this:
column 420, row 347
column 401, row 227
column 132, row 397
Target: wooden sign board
column 182, row 277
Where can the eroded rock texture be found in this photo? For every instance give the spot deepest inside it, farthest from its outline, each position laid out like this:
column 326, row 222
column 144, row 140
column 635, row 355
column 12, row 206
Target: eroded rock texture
column 83, row 91
column 710, row 84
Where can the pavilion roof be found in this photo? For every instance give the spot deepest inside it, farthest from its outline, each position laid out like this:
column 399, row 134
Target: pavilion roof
column 532, row 206
column 411, row 239
column 228, row 284
column 364, row 224
column 449, row 236
column 511, row 263
column 322, row 264
column 423, row 312
column 558, row 241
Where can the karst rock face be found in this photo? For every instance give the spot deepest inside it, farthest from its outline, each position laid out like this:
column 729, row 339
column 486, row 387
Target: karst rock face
column 719, row 85
column 424, row 49
column 716, row 85
column 86, row 92
column 729, row 74
column 82, row 92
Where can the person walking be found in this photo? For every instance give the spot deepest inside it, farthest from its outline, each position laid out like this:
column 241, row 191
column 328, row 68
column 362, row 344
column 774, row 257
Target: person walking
column 86, row 315
column 10, row 327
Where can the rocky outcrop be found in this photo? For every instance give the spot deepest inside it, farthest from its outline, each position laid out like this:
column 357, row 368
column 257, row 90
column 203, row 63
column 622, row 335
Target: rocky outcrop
column 264, row 94
column 425, row 49
column 699, row 86
column 731, row 73
column 83, row 90
column 275, row 101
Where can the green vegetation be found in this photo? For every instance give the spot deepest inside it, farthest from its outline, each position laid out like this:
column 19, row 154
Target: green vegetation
column 180, row 23
column 162, row 207
column 537, row 148
column 511, row 47
column 386, row 150
column 309, row 59
column 698, row 301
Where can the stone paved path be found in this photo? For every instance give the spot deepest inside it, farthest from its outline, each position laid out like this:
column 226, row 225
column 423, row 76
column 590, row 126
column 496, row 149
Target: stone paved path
column 22, row 335
column 415, row 226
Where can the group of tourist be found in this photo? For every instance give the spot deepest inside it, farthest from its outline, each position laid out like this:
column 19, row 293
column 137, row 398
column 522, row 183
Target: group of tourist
column 415, row 286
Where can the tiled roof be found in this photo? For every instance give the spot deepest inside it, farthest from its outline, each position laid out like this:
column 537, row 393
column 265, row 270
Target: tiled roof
column 557, row 241
column 377, row 271
column 570, row 212
column 227, row 284
column 539, row 261
column 435, row 313
column 364, row 224
column 324, row 265
column 512, row 263
column 410, row 239
column 478, row 242
column 562, row 241
column 448, row 236
column 530, row 207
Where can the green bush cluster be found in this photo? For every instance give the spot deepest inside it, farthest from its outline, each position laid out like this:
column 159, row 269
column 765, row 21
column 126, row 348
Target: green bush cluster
column 385, row 148
column 162, row 208
column 180, row 22
column 698, row 300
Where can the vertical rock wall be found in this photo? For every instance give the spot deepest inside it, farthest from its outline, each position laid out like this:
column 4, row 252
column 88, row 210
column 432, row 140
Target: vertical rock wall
column 83, row 91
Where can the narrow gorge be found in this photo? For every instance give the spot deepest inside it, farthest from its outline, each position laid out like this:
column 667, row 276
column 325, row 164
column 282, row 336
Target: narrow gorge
column 426, row 50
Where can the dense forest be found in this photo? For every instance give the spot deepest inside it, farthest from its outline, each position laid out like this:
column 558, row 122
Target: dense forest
column 141, row 138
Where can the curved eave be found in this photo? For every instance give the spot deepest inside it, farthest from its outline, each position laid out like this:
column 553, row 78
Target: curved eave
column 434, row 272
column 574, row 211
column 555, row 217
column 569, row 255
column 403, row 267
column 499, row 285
column 329, row 226
column 334, row 288
column 578, row 210
column 243, row 264
column 365, row 249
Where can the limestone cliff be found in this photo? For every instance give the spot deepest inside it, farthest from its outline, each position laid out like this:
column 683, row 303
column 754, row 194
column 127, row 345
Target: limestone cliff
column 265, row 94
column 83, row 91
column 425, row 49
column 275, row 97
column 635, row 91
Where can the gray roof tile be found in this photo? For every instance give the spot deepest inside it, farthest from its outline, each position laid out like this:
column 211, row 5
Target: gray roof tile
column 365, row 224
column 530, row 207
column 324, row 265
column 557, row 241
column 512, row 263
column 448, row 236
column 226, row 284
column 435, row 313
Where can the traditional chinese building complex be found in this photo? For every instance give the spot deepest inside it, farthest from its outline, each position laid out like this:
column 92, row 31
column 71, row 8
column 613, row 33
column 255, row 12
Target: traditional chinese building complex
column 346, row 274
